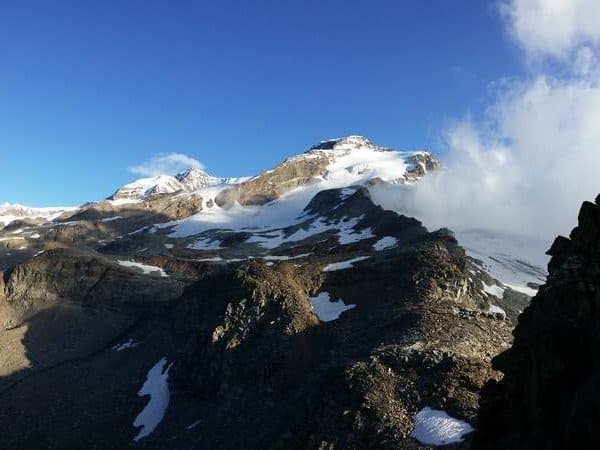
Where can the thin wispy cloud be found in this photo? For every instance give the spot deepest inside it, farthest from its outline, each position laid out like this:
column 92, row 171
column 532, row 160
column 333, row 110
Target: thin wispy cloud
column 166, row 164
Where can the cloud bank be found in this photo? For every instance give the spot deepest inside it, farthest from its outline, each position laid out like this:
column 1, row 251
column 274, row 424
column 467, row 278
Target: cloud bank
column 552, row 27
column 528, row 164
column 168, row 164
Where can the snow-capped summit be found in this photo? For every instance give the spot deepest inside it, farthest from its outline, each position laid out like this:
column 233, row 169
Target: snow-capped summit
column 348, row 142
column 145, row 187
column 11, row 212
column 194, row 178
column 359, row 158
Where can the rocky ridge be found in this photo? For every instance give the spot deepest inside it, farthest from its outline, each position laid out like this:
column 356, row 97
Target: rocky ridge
column 548, row 397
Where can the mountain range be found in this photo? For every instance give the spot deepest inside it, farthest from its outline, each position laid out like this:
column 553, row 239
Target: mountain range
column 284, row 310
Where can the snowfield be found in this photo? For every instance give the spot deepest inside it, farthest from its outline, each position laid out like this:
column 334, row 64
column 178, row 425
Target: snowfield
column 435, row 427
column 493, row 289
column 157, row 387
column 327, row 310
column 353, row 162
column 385, row 243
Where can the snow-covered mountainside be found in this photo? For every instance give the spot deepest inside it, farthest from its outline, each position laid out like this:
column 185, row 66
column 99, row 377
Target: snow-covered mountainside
column 355, row 159
column 11, row 212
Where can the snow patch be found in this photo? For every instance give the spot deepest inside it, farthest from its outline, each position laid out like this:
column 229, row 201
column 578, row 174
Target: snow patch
column 493, row 309
column 435, row 427
column 349, row 263
column 493, row 289
column 523, row 290
column 157, row 387
column 110, row 219
column 385, row 243
column 327, row 310
column 513, row 260
column 147, row 269
column 284, row 258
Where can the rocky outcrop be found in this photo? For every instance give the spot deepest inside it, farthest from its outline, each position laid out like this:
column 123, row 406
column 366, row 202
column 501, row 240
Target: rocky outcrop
column 80, row 276
column 549, row 396
column 420, row 164
column 163, row 206
column 270, row 185
column 251, row 341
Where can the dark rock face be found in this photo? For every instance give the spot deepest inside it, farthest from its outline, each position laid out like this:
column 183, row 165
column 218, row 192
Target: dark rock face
column 550, row 395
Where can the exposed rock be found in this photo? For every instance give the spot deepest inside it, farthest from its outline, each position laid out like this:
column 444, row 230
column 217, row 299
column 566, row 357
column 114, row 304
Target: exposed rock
column 174, row 207
column 549, row 396
column 421, row 163
column 165, row 206
column 81, row 276
column 271, row 184
column 250, row 341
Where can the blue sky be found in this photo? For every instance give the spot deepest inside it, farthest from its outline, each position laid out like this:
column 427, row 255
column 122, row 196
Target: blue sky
column 90, row 89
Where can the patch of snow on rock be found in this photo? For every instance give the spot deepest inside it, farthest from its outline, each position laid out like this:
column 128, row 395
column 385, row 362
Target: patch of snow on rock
column 147, row 269
column 327, row 310
column 157, row 387
column 284, row 258
column 349, row 263
column 523, row 289
column 110, row 219
column 497, row 310
column 385, row 243
column 435, row 427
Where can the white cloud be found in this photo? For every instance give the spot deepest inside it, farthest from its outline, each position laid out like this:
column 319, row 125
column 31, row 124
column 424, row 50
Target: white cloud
column 527, row 173
column 526, row 166
column 552, row 27
column 168, row 164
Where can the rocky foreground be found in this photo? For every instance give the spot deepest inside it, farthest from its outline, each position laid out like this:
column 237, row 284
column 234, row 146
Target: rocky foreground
column 283, row 311
column 549, row 396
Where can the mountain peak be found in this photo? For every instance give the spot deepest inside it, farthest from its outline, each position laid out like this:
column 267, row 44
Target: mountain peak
column 352, row 141
column 194, row 178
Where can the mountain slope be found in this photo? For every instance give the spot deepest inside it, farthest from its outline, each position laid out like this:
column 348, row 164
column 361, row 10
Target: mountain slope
column 237, row 295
